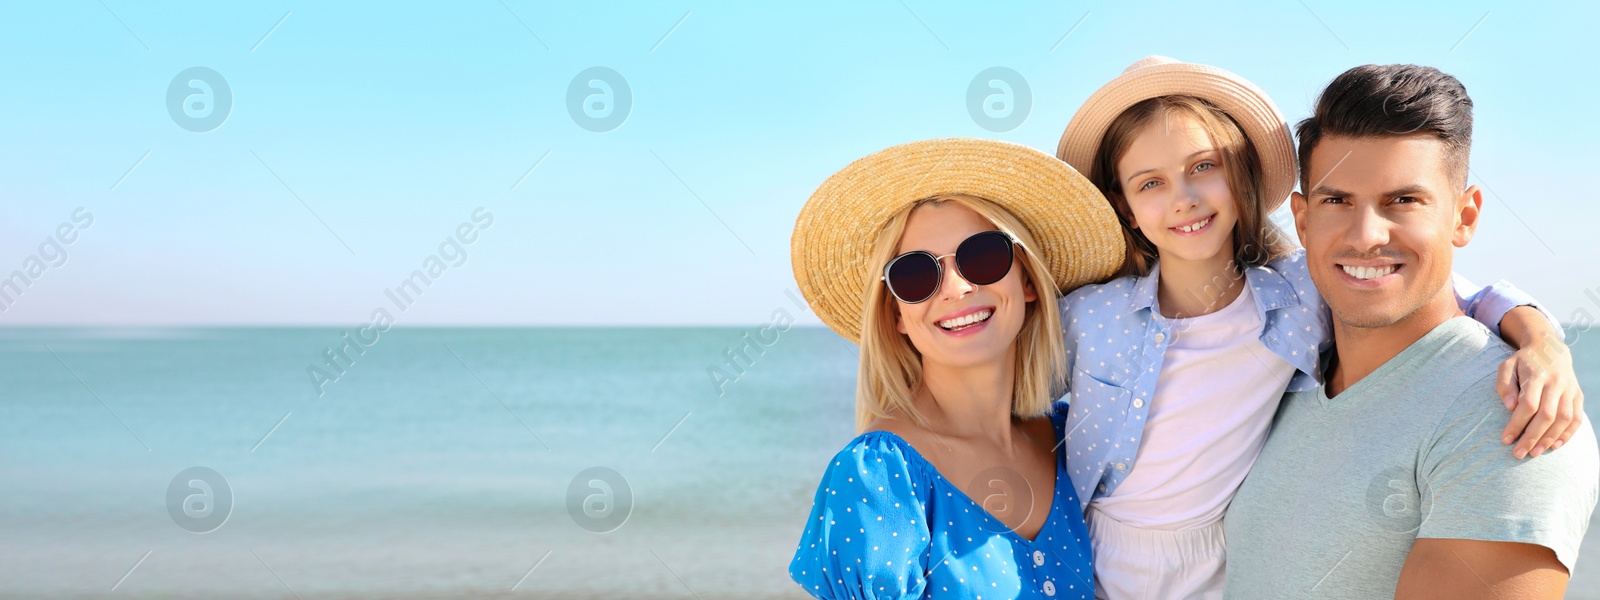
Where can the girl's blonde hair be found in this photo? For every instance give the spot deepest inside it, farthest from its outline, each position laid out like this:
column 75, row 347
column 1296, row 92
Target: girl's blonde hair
column 891, row 367
column 1256, row 240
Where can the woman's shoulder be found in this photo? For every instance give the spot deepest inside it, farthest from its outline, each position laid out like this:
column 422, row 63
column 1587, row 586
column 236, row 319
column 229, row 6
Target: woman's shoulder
column 1058, row 419
column 878, row 442
column 869, row 523
column 875, row 458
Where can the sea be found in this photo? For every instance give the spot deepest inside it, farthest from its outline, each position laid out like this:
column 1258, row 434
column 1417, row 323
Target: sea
column 413, row 463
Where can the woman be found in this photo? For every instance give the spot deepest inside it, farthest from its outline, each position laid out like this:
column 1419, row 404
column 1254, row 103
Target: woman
column 944, row 259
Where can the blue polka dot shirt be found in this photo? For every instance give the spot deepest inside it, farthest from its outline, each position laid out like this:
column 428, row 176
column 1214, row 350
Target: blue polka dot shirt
column 886, row 524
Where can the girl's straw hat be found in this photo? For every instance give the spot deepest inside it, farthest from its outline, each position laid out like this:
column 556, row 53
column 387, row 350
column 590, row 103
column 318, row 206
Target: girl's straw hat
column 1071, row 221
column 1156, row 76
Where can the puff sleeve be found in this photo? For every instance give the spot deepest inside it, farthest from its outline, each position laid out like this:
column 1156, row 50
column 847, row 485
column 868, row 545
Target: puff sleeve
column 867, row 535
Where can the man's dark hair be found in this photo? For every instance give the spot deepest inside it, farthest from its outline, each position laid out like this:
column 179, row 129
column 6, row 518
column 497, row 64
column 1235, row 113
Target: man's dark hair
column 1392, row 100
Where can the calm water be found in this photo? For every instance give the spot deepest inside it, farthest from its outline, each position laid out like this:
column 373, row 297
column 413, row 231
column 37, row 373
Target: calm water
column 438, row 465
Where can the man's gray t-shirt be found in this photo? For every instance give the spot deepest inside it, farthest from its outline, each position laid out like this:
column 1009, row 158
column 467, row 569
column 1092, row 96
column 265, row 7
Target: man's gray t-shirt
column 1345, row 485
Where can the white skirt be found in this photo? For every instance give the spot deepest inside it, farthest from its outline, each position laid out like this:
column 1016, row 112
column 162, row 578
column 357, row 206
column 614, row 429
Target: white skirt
column 1131, row 563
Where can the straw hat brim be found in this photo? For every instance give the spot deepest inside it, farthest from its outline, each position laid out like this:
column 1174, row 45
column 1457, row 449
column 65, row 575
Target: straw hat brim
column 1076, row 231
column 1247, row 104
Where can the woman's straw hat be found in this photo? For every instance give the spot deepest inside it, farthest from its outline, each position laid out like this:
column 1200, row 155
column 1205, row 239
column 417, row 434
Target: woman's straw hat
column 1071, row 221
column 1156, row 76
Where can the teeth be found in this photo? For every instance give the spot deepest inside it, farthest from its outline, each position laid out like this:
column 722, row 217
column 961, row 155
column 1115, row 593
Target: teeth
column 1192, row 227
column 966, row 320
column 1368, row 272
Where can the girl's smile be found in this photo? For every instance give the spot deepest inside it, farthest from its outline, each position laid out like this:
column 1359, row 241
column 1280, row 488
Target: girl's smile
column 1193, row 226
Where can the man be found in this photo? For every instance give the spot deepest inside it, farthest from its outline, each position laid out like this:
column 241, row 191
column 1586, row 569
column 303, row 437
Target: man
column 1390, row 479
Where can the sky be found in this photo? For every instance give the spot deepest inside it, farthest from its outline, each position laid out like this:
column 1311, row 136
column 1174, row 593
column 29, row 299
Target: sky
column 344, row 144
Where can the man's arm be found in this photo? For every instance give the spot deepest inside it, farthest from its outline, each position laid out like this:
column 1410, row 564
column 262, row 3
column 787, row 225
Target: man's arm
column 1454, row 568
column 1493, row 524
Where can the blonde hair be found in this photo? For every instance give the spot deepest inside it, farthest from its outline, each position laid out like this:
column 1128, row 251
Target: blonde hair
column 891, row 367
column 1256, row 240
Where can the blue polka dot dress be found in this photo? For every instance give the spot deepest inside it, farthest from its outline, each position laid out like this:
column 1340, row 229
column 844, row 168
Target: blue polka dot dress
column 886, row 524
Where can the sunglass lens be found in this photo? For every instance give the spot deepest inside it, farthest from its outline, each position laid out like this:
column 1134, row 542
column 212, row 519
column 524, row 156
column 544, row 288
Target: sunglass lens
column 984, row 258
column 913, row 277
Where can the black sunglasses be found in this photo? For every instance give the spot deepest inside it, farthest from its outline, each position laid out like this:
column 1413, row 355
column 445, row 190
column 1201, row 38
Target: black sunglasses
column 982, row 259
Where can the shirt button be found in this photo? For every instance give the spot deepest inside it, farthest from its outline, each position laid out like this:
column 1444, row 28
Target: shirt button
column 1049, row 588
column 1161, row 337
column 1122, row 466
column 1137, row 403
column 1102, row 488
column 1038, row 558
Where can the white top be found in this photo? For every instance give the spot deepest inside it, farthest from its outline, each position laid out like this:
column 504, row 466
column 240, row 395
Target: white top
column 1216, row 394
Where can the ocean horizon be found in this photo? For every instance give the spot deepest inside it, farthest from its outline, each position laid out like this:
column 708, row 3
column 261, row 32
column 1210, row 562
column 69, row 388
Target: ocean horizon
column 434, row 462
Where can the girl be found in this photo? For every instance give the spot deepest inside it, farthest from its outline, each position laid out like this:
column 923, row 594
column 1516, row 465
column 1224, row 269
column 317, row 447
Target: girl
column 1178, row 365
column 943, row 259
